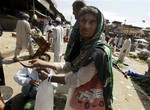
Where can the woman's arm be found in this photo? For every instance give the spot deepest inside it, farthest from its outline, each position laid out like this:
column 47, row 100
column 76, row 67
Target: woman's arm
column 44, row 75
column 72, row 79
column 59, row 67
column 38, row 63
column 83, row 76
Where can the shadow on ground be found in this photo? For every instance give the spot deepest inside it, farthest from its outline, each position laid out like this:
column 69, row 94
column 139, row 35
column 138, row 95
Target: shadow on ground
column 143, row 97
column 10, row 61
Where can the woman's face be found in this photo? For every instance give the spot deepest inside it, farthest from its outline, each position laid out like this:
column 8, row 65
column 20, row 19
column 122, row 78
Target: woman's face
column 87, row 26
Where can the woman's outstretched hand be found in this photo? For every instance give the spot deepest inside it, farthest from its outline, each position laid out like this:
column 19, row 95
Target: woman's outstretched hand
column 33, row 63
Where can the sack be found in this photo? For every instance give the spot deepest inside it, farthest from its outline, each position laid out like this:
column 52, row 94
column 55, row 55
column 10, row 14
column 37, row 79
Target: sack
column 44, row 97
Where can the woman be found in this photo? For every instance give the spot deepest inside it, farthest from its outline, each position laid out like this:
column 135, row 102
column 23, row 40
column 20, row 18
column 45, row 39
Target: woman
column 89, row 75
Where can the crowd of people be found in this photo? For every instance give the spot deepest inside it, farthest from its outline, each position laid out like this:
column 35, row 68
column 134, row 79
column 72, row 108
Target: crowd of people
column 55, row 32
column 88, row 59
column 121, row 43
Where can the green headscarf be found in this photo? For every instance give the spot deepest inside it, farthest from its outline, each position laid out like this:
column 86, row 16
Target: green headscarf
column 74, row 44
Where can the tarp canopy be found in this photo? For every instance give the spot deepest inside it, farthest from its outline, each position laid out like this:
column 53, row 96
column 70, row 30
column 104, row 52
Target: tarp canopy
column 45, row 4
column 142, row 40
column 129, row 30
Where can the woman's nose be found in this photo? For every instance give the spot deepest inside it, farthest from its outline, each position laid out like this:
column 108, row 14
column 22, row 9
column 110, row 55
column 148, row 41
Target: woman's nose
column 86, row 25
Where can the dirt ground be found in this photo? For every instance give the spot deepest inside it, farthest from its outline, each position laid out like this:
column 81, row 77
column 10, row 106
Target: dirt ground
column 126, row 95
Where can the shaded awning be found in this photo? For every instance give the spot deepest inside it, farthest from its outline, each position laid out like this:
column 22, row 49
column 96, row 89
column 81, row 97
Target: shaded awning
column 43, row 15
column 126, row 30
column 45, row 4
column 142, row 40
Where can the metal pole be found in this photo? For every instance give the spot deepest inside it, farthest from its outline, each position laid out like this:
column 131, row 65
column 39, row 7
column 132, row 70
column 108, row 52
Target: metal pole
column 49, row 9
column 33, row 7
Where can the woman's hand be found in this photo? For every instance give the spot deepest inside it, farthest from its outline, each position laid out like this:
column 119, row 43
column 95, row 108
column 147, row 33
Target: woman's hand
column 26, row 64
column 33, row 63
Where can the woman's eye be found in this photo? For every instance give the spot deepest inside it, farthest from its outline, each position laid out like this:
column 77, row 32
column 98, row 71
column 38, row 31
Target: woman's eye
column 92, row 21
column 83, row 20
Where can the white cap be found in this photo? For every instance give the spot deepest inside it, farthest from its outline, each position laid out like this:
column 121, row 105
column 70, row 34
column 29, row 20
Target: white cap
column 25, row 15
column 58, row 19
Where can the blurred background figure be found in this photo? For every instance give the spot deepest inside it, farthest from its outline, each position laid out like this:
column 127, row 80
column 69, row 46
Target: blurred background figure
column 58, row 34
column 120, row 41
column 125, row 49
column 115, row 42
column 23, row 31
column 49, row 29
column 74, row 41
column 67, row 30
column 135, row 45
column 2, row 78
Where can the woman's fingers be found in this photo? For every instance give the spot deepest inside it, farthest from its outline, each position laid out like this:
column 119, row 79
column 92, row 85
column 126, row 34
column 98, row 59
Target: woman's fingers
column 26, row 64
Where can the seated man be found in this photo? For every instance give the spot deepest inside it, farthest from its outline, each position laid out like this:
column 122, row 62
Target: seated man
column 29, row 79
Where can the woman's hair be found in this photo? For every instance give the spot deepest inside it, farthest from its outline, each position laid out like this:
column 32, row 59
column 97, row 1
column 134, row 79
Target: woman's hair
column 97, row 14
column 90, row 10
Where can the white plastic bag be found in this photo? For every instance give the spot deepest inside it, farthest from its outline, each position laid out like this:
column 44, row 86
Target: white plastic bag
column 44, row 97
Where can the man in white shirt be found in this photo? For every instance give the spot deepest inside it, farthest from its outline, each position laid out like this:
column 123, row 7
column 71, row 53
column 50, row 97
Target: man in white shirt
column 115, row 43
column 120, row 41
column 29, row 79
column 23, row 30
column 58, row 35
column 125, row 49
column 49, row 29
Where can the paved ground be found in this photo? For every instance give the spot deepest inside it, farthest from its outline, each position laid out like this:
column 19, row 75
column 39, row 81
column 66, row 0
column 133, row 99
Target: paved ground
column 126, row 96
